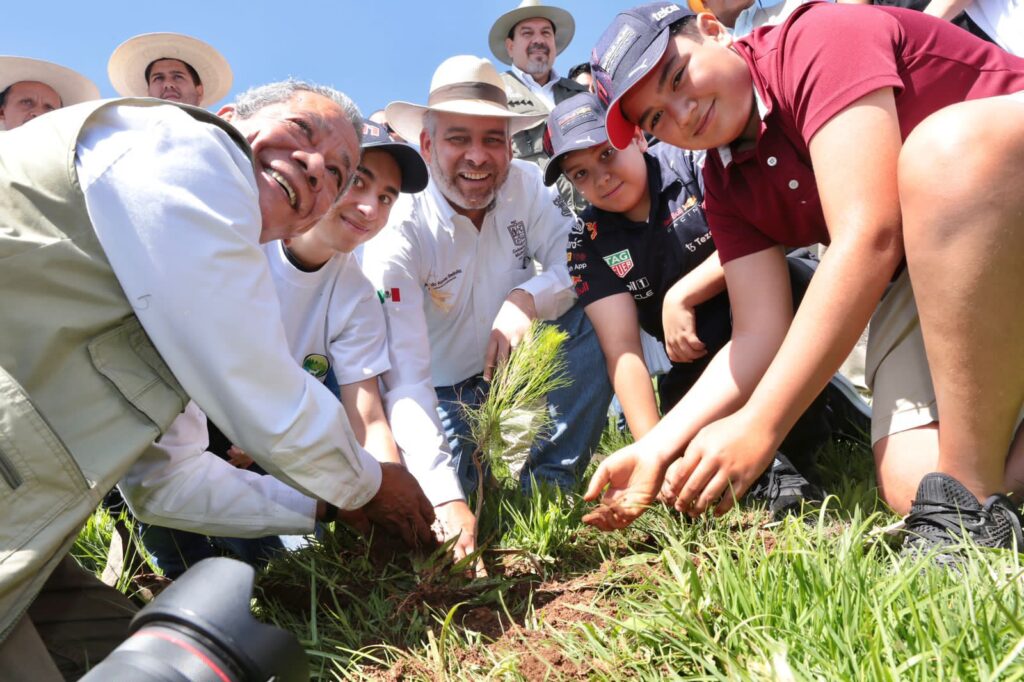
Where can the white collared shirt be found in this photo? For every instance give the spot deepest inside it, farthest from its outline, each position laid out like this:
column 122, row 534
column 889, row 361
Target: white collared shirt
column 443, row 282
column 180, row 230
column 545, row 92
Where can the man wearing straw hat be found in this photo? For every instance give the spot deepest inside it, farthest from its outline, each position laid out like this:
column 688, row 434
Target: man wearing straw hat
column 455, row 267
column 32, row 87
column 170, row 66
column 528, row 39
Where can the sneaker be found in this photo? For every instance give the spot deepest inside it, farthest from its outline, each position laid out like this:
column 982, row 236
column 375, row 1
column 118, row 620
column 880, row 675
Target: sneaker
column 945, row 513
column 783, row 489
column 847, row 412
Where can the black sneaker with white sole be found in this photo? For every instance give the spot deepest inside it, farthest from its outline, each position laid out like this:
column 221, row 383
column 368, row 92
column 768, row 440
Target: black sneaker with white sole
column 782, row 489
column 946, row 514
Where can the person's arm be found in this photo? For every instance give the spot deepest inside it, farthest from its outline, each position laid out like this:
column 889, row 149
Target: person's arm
column 391, row 263
column 175, row 205
column 618, row 331
column 946, row 9
column 365, row 410
column 762, row 309
column 678, row 319
column 178, row 484
column 854, row 155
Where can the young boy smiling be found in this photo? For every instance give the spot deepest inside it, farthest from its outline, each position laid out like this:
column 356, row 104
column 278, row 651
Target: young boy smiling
column 845, row 124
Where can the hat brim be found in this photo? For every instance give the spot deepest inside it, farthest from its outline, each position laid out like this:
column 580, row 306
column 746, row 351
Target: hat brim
column 620, row 131
column 565, row 28
column 127, row 65
column 410, row 163
column 71, row 86
column 554, row 167
column 407, row 118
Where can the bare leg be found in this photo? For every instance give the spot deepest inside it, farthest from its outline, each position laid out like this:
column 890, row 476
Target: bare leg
column 961, row 175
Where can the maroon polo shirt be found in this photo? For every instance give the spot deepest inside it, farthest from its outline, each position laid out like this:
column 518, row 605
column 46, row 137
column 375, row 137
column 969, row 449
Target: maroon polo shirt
column 808, row 69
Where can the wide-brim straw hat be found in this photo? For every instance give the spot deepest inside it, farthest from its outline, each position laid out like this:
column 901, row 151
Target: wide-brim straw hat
column 565, row 26
column 71, row 86
column 461, row 85
column 127, row 66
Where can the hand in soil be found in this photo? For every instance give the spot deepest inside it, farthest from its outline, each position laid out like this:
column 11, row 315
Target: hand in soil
column 455, row 519
column 400, row 507
column 632, row 481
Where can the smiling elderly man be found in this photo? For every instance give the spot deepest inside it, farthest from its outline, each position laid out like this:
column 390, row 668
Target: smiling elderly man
column 170, row 66
column 133, row 280
column 529, row 38
column 33, row 87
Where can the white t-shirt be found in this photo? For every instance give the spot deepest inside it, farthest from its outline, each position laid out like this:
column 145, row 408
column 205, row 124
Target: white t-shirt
column 1001, row 20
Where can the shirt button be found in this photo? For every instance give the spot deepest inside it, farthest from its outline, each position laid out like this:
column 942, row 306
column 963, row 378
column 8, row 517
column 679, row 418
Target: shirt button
column 793, row 184
column 772, row 161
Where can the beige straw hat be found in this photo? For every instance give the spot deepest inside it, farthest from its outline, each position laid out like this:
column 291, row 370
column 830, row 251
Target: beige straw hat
column 565, row 26
column 461, row 85
column 72, row 86
column 127, row 66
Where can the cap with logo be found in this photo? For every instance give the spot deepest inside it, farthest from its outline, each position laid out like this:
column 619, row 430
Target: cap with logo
column 576, row 123
column 414, row 170
column 625, row 53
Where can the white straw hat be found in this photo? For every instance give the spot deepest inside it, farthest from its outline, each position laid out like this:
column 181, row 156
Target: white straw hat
column 565, row 26
column 461, row 85
column 127, row 66
column 71, row 86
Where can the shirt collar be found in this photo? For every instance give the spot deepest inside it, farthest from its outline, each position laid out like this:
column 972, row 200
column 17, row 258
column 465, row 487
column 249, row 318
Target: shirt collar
column 528, row 81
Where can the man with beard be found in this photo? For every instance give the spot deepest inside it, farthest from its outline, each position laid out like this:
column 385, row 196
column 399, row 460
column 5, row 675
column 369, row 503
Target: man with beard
column 133, row 281
column 170, row 66
column 529, row 38
column 455, row 269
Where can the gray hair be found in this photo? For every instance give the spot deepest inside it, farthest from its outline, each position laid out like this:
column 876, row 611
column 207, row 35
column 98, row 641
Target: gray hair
column 252, row 100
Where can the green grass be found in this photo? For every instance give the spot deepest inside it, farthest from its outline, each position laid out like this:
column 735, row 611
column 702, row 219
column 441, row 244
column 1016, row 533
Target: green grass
column 735, row 598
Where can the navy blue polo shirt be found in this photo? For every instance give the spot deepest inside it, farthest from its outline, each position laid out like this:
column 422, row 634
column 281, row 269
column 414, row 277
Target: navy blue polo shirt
column 609, row 254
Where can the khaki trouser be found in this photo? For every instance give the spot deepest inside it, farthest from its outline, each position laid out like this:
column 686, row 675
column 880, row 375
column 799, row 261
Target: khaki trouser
column 71, row 626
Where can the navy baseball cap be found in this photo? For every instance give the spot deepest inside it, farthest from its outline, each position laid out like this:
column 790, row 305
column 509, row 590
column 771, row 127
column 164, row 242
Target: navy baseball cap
column 625, row 53
column 576, row 123
column 414, row 169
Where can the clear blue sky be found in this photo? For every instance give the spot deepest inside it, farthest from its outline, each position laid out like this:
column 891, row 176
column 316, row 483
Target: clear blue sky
column 374, row 51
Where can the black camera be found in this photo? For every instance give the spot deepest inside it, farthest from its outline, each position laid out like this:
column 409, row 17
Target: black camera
column 201, row 629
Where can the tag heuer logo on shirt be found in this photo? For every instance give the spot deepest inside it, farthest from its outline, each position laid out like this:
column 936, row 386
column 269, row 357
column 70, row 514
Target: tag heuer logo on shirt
column 391, row 294
column 316, row 364
column 620, row 263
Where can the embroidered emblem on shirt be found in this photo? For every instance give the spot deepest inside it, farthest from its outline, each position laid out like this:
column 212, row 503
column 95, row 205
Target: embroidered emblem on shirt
column 442, row 299
column 592, row 230
column 563, row 207
column 517, row 230
column 316, row 364
column 577, row 226
column 392, row 294
column 620, row 262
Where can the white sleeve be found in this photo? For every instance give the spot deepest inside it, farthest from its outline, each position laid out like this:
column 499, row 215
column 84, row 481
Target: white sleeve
column 175, row 205
column 359, row 343
column 550, row 220
column 391, row 264
column 178, row 484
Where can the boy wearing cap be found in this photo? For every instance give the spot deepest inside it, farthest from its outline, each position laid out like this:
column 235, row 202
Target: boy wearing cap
column 644, row 259
column 336, row 331
column 847, row 134
column 33, row 87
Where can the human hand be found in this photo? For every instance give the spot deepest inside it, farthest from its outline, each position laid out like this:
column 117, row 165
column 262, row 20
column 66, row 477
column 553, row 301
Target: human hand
column 719, row 465
column 509, row 328
column 238, row 458
column 679, row 322
column 454, row 519
column 400, row 506
column 633, row 480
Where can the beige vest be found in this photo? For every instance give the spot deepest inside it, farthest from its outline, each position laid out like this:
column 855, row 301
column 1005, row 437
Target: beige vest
column 82, row 389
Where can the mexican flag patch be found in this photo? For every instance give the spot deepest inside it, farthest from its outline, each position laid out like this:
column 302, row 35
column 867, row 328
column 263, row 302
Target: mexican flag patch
column 620, row 263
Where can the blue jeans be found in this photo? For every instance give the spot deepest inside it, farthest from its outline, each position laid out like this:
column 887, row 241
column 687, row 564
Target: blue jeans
column 579, row 413
column 173, row 551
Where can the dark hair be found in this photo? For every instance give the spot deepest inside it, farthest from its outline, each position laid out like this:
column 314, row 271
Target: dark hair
column 192, row 72
column 511, row 31
column 3, row 95
column 578, row 69
column 686, row 24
